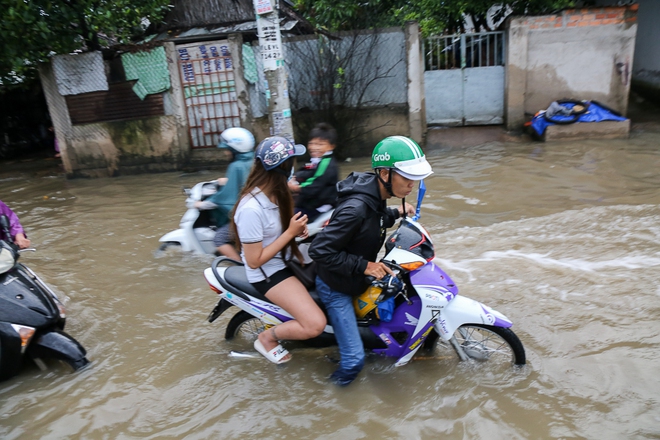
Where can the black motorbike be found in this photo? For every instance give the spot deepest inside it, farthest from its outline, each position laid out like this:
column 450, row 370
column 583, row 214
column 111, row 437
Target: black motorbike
column 32, row 318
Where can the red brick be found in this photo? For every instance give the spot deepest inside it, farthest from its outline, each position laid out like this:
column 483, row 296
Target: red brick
column 583, row 23
column 600, row 16
column 572, row 24
column 633, row 7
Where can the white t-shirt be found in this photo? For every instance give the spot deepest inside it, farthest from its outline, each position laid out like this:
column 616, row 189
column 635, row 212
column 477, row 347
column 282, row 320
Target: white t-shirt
column 258, row 220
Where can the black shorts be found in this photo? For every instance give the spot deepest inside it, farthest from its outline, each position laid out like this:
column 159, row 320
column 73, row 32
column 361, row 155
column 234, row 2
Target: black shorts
column 264, row 286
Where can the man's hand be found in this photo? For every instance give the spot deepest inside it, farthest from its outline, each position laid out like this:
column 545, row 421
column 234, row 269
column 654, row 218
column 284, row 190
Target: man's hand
column 377, row 270
column 410, row 209
column 22, row 241
column 304, row 234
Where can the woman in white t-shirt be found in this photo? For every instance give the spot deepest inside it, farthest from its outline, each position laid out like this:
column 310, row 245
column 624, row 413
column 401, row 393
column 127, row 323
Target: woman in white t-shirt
column 265, row 207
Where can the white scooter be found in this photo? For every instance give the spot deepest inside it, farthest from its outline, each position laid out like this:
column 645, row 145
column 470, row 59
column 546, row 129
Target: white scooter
column 197, row 229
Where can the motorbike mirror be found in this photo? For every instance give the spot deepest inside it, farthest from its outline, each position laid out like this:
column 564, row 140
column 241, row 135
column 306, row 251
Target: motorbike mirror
column 420, row 196
column 4, row 223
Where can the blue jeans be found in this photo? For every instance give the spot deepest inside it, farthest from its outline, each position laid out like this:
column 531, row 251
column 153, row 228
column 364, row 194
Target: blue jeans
column 342, row 318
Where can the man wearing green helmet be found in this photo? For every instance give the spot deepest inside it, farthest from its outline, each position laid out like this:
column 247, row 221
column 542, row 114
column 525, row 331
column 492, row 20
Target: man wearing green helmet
column 346, row 249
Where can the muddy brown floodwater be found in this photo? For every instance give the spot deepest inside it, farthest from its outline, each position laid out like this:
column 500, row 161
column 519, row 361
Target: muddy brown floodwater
column 563, row 238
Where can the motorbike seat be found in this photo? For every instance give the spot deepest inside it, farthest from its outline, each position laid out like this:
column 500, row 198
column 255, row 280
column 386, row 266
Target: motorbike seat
column 236, row 278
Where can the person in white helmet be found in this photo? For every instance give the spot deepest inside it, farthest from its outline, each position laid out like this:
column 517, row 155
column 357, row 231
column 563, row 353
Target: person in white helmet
column 239, row 146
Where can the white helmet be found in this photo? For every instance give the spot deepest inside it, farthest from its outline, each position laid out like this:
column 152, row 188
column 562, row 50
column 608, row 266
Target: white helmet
column 238, row 139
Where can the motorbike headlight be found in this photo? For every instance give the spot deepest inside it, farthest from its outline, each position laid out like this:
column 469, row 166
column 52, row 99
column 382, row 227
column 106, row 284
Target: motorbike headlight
column 412, row 266
column 25, row 333
column 61, row 309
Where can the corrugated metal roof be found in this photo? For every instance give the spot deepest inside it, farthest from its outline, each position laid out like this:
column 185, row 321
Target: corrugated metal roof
column 198, row 33
column 188, row 14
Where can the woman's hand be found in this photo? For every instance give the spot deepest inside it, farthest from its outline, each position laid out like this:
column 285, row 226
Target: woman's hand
column 256, row 255
column 298, row 224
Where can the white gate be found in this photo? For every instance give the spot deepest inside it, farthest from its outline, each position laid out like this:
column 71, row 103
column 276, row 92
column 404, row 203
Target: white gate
column 464, row 79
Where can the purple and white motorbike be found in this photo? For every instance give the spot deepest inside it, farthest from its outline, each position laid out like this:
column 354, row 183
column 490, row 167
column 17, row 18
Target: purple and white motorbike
column 425, row 319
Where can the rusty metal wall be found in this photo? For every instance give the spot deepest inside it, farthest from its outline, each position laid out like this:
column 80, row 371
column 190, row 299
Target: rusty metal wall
column 119, row 103
column 207, row 79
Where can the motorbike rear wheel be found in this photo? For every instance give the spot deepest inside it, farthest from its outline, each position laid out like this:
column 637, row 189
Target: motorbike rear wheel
column 244, row 327
column 483, row 343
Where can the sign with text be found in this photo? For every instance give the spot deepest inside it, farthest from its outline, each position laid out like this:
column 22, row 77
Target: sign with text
column 263, row 6
column 203, row 59
column 270, row 42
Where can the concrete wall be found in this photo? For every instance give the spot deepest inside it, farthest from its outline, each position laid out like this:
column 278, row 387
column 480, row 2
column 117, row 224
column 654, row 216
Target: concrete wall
column 111, row 148
column 584, row 54
column 646, row 67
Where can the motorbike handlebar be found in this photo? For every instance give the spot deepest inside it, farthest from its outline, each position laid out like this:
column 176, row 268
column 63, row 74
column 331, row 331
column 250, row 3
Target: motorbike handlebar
column 393, row 265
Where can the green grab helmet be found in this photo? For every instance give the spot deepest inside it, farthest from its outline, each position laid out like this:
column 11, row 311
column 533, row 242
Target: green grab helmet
column 403, row 155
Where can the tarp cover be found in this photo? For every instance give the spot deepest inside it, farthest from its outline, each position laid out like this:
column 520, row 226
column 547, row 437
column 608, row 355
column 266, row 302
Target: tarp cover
column 80, row 73
column 150, row 69
column 595, row 113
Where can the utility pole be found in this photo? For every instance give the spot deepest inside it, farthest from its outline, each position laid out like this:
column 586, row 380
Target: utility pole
column 270, row 44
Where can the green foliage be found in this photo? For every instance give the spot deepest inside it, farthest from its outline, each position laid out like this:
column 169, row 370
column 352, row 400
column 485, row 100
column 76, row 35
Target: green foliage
column 434, row 16
column 33, row 30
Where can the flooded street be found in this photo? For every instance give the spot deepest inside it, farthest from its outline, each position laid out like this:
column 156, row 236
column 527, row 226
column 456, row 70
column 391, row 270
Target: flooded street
column 563, row 238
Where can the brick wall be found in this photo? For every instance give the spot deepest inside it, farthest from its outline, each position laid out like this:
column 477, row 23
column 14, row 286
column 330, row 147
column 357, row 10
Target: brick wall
column 584, row 17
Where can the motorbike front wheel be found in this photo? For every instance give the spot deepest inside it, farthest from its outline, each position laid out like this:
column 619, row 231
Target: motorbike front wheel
column 483, row 343
column 168, row 244
column 244, row 327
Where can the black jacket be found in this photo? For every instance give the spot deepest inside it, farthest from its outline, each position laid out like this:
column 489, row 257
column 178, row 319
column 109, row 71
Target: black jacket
column 354, row 234
column 318, row 187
